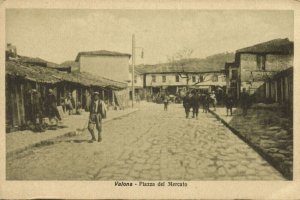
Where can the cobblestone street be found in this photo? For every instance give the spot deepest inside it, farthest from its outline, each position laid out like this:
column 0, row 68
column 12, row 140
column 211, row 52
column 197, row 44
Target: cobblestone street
column 150, row 144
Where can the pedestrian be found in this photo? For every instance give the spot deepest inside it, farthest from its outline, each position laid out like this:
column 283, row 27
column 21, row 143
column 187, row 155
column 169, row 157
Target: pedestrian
column 166, row 102
column 202, row 100
column 73, row 102
column 51, row 106
column 229, row 103
column 186, row 104
column 97, row 113
column 35, row 111
column 69, row 104
column 195, row 103
column 79, row 108
column 213, row 99
column 206, row 101
column 244, row 101
column 138, row 98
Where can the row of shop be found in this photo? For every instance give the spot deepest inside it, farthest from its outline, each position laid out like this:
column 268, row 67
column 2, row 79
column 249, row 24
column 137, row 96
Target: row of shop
column 156, row 93
column 22, row 78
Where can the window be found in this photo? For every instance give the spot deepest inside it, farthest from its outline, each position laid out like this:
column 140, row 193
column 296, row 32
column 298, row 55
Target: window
column 164, row 79
column 177, row 78
column 194, row 78
column 153, row 78
column 201, row 78
column 261, row 62
column 234, row 75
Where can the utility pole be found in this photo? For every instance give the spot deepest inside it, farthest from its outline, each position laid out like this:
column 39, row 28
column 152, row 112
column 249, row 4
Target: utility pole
column 133, row 64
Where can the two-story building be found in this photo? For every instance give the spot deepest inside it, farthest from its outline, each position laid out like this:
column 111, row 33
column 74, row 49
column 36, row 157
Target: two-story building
column 172, row 82
column 165, row 78
column 256, row 64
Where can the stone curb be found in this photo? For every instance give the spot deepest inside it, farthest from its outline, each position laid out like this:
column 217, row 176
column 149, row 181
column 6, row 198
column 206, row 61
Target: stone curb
column 69, row 133
column 257, row 149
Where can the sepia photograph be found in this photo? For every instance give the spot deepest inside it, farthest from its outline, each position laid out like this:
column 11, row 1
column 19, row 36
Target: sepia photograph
column 149, row 95
column 140, row 98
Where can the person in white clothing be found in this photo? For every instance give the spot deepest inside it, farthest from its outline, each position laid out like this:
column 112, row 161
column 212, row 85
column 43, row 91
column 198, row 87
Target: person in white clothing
column 213, row 99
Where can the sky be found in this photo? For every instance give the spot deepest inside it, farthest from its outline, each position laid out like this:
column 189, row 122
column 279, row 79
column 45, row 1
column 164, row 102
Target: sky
column 58, row 35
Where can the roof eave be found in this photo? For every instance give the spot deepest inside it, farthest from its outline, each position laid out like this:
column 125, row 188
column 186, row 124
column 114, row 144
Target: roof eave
column 92, row 55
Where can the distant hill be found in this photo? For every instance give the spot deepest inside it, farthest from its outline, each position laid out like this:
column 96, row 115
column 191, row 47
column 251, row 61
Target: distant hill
column 211, row 63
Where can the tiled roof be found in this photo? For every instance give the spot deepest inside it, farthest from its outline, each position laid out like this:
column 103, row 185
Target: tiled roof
column 276, row 46
column 41, row 62
column 31, row 72
column 52, row 76
column 212, row 63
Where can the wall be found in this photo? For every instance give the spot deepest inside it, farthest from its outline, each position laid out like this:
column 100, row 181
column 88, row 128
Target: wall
column 247, row 65
column 279, row 62
column 139, row 80
column 281, row 89
column 253, row 79
column 171, row 79
column 275, row 63
column 111, row 67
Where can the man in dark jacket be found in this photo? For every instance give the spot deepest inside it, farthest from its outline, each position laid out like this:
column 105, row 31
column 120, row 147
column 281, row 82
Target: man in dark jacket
column 244, row 101
column 35, row 110
column 187, row 104
column 229, row 103
column 195, row 103
column 97, row 113
column 205, row 101
column 52, row 107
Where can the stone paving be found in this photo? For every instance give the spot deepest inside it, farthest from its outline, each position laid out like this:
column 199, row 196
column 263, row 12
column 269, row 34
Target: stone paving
column 150, row 144
column 20, row 140
column 269, row 130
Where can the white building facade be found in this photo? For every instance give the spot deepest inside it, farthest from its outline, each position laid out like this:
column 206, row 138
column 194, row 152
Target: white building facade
column 111, row 65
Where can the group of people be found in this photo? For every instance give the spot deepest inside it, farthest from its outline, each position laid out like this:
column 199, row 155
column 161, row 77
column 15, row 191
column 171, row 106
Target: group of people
column 97, row 107
column 68, row 103
column 194, row 100
column 244, row 102
column 37, row 110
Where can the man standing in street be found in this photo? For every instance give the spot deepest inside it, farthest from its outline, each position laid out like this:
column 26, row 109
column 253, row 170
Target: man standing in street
column 206, row 101
column 187, row 104
column 229, row 103
column 35, row 110
column 244, row 100
column 213, row 99
column 97, row 113
column 166, row 102
column 195, row 103
column 69, row 104
column 52, row 107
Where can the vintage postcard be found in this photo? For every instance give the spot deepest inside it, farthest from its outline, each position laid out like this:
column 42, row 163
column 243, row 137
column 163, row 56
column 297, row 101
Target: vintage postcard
column 137, row 99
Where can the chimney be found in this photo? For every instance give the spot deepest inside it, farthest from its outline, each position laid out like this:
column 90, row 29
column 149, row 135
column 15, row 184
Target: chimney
column 11, row 51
